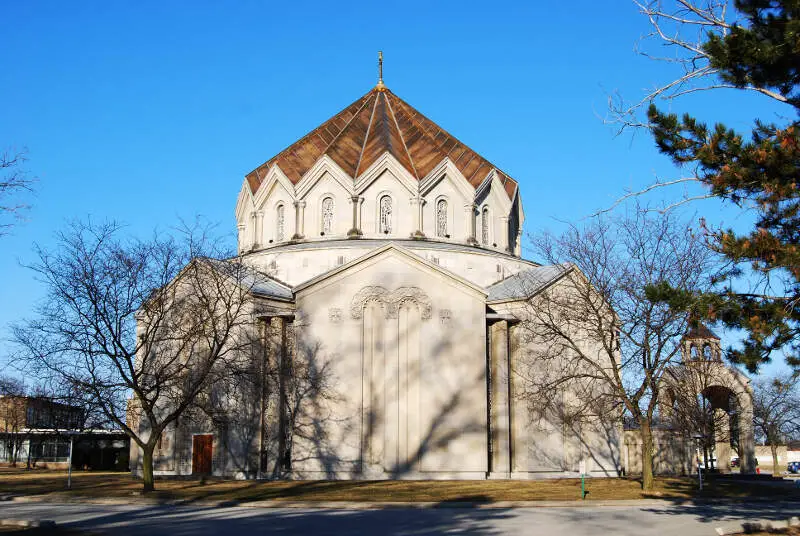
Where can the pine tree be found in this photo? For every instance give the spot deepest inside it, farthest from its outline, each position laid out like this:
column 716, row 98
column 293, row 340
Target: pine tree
column 759, row 170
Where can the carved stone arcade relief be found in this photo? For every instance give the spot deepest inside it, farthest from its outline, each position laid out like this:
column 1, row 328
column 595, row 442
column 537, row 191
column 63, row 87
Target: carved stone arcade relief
column 390, row 301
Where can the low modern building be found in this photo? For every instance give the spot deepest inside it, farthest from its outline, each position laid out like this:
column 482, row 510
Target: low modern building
column 37, row 432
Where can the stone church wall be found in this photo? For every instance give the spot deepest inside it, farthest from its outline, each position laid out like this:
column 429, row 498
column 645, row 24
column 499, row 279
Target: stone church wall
column 294, row 265
column 552, row 437
column 408, row 355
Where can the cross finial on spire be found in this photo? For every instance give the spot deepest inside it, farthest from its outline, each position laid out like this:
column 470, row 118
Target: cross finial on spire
column 380, row 69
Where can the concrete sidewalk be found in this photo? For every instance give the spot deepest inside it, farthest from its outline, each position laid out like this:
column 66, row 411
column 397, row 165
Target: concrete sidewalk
column 645, row 518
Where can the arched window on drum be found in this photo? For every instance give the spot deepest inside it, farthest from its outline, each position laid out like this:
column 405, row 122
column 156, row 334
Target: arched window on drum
column 327, row 216
column 385, row 222
column 485, row 226
column 441, row 219
column 280, row 223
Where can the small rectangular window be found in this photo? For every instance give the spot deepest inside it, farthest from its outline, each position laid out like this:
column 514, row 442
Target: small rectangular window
column 435, row 260
column 340, row 260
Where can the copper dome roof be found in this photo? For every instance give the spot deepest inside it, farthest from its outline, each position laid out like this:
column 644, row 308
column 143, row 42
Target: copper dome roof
column 376, row 123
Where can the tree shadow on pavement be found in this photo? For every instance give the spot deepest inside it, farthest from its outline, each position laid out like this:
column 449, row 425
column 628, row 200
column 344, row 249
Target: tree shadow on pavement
column 716, row 510
column 178, row 521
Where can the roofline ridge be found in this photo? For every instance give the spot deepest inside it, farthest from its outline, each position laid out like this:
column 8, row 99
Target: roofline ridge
column 403, row 141
column 421, row 127
column 447, row 133
column 366, row 138
column 364, row 98
column 358, row 112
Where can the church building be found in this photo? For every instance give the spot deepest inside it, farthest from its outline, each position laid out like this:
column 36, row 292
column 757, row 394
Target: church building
column 390, row 262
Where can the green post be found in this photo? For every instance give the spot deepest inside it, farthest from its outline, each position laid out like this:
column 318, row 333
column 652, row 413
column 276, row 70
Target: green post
column 583, row 479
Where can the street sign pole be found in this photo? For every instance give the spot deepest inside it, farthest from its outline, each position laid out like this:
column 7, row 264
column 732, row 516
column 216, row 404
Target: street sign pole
column 69, row 464
column 700, row 475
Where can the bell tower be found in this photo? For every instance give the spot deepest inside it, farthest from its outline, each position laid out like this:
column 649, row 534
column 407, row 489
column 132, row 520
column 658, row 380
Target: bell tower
column 700, row 344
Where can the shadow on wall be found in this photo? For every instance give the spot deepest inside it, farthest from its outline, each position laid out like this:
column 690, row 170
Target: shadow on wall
column 560, row 435
column 304, row 426
column 324, row 437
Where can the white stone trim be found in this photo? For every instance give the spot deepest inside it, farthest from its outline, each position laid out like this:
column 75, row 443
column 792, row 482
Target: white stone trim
column 244, row 203
column 386, row 163
column 274, row 176
column 323, row 165
column 392, row 249
column 446, row 170
column 492, row 187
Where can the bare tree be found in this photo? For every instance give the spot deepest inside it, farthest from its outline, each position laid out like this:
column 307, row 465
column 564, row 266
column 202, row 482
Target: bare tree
column 158, row 321
column 13, row 180
column 599, row 344
column 679, row 31
column 776, row 411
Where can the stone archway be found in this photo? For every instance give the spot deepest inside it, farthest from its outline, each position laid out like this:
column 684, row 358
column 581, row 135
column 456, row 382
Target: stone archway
column 704, row 398
column 724, row 426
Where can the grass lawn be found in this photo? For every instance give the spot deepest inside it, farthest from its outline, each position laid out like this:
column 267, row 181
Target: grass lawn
column 102, row 485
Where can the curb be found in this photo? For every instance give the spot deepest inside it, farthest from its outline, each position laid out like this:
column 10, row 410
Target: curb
column 341, row 505
column 361, row 505
column 27, row 523
column 749, row 527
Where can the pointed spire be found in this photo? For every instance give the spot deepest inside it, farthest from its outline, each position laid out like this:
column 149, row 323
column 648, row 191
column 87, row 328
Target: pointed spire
column 380, row 85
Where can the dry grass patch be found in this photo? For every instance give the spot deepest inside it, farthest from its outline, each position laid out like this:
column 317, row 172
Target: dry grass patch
column 103, row 485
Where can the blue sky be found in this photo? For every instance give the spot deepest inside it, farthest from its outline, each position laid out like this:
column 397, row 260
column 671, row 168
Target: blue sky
column 148, row 112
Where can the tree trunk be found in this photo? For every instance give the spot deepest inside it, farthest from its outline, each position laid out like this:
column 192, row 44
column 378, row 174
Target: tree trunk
column 647, row 454
column 773, row 446
column 147, row 468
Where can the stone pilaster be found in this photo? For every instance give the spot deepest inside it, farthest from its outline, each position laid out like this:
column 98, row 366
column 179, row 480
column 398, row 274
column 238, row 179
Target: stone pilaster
column 355, row 231
column 722, row 440
column 747, row 449
column 416, row 210
column 502, row 242
column 501, row 404
column 470, row 221
column 299, row 220
column 242, row 237
column 259, row 230
column 251, row 244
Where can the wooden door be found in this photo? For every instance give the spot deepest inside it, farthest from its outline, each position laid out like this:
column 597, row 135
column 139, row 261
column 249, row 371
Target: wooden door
column 201, row 454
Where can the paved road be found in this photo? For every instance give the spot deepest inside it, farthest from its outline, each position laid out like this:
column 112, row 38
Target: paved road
column 654, row 518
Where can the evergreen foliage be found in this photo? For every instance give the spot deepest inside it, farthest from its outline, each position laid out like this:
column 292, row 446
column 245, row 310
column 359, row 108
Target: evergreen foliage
column 757, row 171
